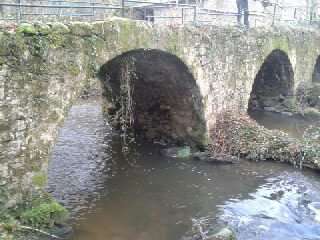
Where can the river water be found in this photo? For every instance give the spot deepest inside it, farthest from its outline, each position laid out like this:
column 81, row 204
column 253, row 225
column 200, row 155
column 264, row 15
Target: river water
column 147, row 196
column 293, row 125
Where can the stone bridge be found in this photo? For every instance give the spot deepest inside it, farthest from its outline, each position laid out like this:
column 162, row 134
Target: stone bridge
column 179, row 77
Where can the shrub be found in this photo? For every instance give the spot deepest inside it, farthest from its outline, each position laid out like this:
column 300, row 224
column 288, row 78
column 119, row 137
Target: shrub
column 44, row 215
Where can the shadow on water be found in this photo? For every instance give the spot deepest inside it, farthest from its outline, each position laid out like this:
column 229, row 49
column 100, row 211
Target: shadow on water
column 293, row 125
column 285, row 207
column 148, row 196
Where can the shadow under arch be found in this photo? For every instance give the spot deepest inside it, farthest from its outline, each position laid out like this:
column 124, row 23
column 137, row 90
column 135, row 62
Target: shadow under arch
column 273, row 87
column 155, row 93
column 316, row 71
column 308, row 93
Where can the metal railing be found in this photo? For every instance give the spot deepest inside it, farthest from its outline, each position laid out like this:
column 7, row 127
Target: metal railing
column 152, row 11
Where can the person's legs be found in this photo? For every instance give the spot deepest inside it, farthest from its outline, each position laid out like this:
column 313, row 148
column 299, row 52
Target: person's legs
column 246, row 12
column 239, row 11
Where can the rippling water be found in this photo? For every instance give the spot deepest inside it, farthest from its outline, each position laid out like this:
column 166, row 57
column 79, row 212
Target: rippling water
column 79, row 163
column 286, row 207
column 148, row 196
column 293, row 125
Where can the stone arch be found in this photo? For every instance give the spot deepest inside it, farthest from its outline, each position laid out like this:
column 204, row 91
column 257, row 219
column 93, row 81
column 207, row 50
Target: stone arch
column 316, row 71
column 165, row 101
column 273, row 87
column 308, row 92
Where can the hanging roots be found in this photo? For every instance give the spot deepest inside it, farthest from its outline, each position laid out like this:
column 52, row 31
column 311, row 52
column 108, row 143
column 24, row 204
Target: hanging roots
column 126, row 115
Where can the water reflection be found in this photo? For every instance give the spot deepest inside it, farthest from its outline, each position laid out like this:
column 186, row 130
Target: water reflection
column 293, row 125
column 286, row 207
column 148, row 196
column 79, row 164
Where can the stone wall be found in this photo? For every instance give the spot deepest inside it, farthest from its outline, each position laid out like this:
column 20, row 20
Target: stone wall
column 43, row 69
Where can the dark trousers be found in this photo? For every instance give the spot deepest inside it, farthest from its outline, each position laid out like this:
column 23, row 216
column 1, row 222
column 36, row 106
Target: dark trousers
column 243, row 10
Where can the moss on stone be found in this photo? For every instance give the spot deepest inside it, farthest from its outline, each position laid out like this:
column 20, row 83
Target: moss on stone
column 39, row 180
column 127, row 34
column 38, row 46
column 173, row 44
column 27, row 29
column 42, row 29
column 81, row 29
column 73, row 69
column 3, row 44
column 12, row 46
column 59, row 28
column 58, row 35
column 281, row 43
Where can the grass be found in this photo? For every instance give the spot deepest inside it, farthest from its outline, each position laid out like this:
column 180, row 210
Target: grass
column 36, row 213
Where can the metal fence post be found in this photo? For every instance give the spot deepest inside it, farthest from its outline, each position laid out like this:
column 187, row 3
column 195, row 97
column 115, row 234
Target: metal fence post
column 122, row 7
column 18, row 12
column 145, row 14
column 93, row 9
column 274, row 13
column 182, row 15
column 195, row 14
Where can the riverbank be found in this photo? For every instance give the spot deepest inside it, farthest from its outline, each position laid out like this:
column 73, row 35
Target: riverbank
column 241, row 136
column 36, row 216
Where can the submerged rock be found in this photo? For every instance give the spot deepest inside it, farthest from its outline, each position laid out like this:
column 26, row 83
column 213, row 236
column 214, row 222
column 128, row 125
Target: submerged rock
column 62, row 230
column 201, row 156
column 315, row 208
column 311, row 112
column 223, row 158
column 177, row 152
column 219, row 158
column 271, row 109
column 223, row 234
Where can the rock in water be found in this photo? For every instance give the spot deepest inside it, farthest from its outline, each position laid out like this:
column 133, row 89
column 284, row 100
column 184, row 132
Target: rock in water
column 201, row 156
column 223, row 234
column 177, row 152
column 222, row 158
column 315, row 208
column 219, row 158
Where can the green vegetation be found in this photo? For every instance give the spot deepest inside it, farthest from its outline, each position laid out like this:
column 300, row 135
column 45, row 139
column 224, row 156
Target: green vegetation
column 27, row 29
column 44, row 215
column 40, row 180
column 36, row 213
column 241, row 136
column 281, row 43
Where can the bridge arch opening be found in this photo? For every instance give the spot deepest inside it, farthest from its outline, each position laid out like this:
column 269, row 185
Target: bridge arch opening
column 316, row 72
column 153, row 93
column 308, row 92
column 273, row 85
